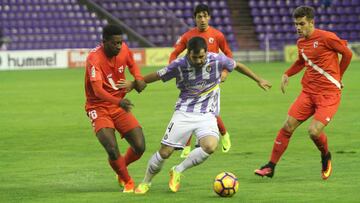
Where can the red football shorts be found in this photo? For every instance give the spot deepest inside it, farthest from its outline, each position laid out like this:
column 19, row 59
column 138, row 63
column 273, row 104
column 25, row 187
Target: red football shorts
column 323, row 107
column 112, row 117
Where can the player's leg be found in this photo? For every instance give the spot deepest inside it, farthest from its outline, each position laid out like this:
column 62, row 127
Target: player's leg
column 225, row 136
column 327, row 106
column 207, row 133
column 185, row 152
column 106, row 137
column 280, row 145
column 176, row 136
column 320, row 140
column 154, row 166
column 129, row 128
column 103, row 126
column 300, row 111
column 136, row 139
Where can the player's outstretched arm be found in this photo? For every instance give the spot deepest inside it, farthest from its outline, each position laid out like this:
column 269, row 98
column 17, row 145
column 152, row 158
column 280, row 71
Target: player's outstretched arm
column 139, row 85
column 264, row 84
column 151, row 77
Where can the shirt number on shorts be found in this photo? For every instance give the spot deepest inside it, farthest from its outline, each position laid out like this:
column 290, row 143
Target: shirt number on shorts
column 170, row 126
column 92, row 114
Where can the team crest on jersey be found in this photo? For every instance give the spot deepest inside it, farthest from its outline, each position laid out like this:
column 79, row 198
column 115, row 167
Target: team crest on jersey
column 93, row 72
column 211, row 40
column 121, row 69
column 316, row 44
column 208, row 68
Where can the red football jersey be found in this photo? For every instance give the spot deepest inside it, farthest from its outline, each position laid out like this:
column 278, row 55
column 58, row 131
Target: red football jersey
column 214, row 38
column 319, row 54
column 102, row 73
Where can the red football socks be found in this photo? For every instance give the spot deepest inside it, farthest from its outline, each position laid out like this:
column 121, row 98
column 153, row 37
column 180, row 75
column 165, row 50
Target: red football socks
column 221, row 125
column 119, row 167
column 280, row 145
column 131, row 156
column 321, row 143
column 189, row 141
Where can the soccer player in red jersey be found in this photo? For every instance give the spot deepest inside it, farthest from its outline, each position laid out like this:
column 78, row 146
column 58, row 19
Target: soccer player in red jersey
column 106, row 106
column 215, row 41
column 320, row 96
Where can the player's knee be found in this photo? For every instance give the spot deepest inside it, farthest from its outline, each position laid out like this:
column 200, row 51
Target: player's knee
column 313, row 132
column 288, row 127
column 113, row 153
column 140, row 149
column 165, row 154
column 209, row 147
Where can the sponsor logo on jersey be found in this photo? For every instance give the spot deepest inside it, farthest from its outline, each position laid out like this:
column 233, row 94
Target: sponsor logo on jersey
column 121, row 69
column 316, row 44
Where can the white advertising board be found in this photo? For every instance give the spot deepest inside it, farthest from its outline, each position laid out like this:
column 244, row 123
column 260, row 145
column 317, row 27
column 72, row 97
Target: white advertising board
column 33, row 59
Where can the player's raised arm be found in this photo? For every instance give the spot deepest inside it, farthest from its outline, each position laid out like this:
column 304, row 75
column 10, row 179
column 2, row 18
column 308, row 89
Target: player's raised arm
column 264, row 84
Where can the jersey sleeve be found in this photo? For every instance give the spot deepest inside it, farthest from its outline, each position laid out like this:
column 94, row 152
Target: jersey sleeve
column 340, row 46
column 133, row 67
column 226, row 63
column 169, row 72
column 296, row 67
column 224, row 46
column 94, row 70
column 179, row 47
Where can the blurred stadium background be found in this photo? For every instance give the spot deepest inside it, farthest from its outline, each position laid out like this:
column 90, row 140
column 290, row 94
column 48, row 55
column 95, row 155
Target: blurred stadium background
column 256, row 30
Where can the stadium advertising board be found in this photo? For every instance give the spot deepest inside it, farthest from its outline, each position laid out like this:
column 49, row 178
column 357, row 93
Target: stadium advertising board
column 34, row 59
column 158, row 56
column 77, row 57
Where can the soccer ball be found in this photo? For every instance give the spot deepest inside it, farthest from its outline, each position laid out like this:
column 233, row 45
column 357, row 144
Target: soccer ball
column 226, row 184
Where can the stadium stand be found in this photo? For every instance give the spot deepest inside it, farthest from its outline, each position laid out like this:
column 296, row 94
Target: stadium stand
column 49, row 24
column 273, row 19
column 162, row 22
column 59, row 24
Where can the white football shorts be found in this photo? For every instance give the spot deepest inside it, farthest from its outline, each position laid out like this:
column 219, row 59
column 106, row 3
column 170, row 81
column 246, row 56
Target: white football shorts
column 183, row 124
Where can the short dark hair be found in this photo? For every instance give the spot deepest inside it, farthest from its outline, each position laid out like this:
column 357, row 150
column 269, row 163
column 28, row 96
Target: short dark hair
column 196, row 44
column 303, row 11
column 201, row 8
column 110, row 30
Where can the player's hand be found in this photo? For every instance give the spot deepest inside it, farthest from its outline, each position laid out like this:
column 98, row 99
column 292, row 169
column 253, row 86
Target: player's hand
column 264, row 84
column 126, row 105
column 139, row 85
column 224, row 75
column 125, row 84
column 284, row 82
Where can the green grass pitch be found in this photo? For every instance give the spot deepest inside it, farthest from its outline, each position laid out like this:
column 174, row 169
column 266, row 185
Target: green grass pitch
column 48, row 152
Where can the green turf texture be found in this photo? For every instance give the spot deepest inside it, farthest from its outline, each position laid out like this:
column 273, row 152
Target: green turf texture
column 48, row 152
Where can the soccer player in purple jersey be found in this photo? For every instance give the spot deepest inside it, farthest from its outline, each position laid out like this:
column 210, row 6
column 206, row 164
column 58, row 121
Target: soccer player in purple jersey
column 197, row 77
